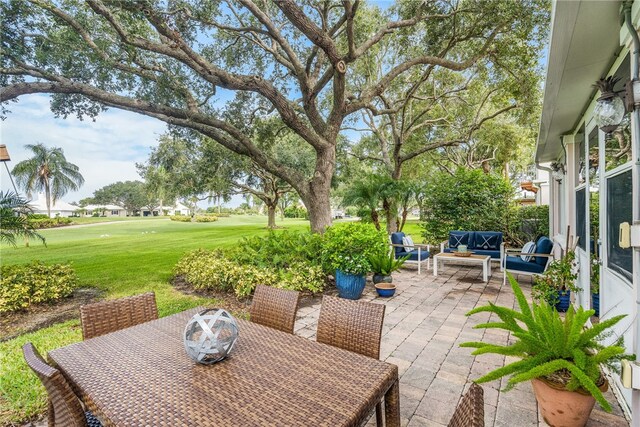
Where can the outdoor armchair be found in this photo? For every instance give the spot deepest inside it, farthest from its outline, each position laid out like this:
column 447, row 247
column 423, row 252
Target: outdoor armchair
column 110, row 316
column 275, row 308
column 470, row 410
column 534, row 262
column 64, row 408
column 417, row 253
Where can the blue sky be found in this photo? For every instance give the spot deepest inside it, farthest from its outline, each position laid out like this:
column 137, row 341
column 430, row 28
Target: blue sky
column 105, row 150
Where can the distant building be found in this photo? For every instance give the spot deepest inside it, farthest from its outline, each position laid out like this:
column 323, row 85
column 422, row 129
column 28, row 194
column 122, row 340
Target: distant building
column 59, row 208
column 104, row 210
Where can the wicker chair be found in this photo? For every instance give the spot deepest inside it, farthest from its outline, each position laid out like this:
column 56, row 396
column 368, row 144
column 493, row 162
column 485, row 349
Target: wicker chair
column 64, row 408
column 470, row 410
column 352, row 325
column 109, row 316
column 275, row 308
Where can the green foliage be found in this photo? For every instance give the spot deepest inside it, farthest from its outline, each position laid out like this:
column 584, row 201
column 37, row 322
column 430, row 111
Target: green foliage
column 131, row 195
column 49, row 222
column 296, row 212
column 527, row 223
column 347, row 247
column 180, row 218
column 385, row 263
column 211, row 270
column 560, row 276
column 25, row 284
column 466, row 200
column 547, row 344
column 595, row 275
column 14, row 212
column 279, row 249
column 206, row 218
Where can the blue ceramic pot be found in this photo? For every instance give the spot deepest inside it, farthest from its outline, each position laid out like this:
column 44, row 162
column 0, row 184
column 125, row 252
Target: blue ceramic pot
column 350, row 286
column 564, row 300
column 595, row 300
column 385, row 290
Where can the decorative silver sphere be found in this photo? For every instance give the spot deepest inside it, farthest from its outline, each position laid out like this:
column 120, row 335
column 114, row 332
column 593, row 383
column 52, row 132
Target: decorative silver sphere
column 210, row 335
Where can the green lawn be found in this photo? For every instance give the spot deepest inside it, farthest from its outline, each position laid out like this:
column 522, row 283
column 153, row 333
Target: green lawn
column 122, row 258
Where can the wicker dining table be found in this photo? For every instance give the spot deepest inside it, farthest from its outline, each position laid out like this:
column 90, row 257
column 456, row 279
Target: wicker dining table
column 142, row 376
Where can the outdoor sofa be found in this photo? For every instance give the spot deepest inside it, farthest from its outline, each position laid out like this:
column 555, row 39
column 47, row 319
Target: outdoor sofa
column 479, row 242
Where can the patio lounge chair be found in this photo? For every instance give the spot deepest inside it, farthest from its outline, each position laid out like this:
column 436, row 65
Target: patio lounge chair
column 470, row 411
column 352, row 325
column 417, row 253
column 535, row 262
column 109, row 316
column 64, row 408
column 275, row 308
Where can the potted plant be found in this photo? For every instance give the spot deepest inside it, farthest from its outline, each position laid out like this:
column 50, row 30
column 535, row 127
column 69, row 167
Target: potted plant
column 346, row 251
column 556, row 283
column 561, row 357
column 382, row 265
column 595, row 285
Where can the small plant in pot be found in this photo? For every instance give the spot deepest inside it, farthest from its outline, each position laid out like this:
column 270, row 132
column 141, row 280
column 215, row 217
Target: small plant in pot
column 346, row 251
column 556, row 283
column 561, row 357
column 383, row 264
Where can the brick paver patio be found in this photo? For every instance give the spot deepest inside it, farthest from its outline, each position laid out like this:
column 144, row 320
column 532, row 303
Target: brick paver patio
column 424, row 323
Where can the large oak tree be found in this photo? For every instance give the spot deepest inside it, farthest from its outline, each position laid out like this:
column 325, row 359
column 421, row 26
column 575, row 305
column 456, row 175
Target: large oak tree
column 180, row 60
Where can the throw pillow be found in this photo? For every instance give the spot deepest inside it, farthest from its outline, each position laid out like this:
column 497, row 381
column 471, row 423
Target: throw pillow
column 407, row 241
column 528, row 248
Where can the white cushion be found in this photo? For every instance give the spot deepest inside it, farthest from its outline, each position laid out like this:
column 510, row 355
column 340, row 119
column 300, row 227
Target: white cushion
column 407, row 241
column 528, row 248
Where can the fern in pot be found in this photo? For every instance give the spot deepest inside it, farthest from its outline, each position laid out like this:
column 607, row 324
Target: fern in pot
column 561, row 357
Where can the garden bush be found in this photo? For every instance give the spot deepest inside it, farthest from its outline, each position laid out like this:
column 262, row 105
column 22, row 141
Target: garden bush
column 47, row 222
column 180, row 218
column 527, row 223
column 206, row 218
column 279, row 249
column 467, row 200
column 211, row 270
column 296, row 212
column 348, row 247
column 24, row 284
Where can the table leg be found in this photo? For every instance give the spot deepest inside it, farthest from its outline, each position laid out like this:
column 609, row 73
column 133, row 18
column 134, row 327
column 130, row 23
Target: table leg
column 485, row 272
column 392, row 406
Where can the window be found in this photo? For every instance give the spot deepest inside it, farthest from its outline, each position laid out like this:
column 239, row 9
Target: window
column 618, row 211
column 581, row 229
column 115, row 213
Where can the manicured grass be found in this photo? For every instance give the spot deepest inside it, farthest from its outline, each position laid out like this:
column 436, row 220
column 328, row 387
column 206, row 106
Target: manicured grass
column 121, row 259
column 97, row 219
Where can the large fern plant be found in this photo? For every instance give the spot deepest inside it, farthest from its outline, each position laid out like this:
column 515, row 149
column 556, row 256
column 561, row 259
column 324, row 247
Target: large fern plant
column 550, row 346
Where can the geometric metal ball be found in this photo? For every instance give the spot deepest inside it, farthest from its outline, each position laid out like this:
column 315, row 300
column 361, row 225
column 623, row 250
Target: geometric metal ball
column 210, row 335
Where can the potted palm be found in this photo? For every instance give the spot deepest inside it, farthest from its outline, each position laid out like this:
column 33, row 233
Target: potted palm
column 346, row 251
column 557, row 282
column 561, row 357
column 382, row 265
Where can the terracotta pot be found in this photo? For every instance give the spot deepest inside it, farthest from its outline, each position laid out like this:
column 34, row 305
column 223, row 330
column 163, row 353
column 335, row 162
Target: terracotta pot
column 560, row 407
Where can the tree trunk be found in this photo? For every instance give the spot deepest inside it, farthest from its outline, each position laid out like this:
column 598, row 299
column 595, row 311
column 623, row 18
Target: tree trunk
column 161, row 211
column 271, row 215
column 316, row 194
column 390, row 212
column 375, row 219
column 47, row 195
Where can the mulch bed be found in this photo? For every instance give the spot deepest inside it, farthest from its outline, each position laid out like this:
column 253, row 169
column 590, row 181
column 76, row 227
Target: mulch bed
column 40, row 316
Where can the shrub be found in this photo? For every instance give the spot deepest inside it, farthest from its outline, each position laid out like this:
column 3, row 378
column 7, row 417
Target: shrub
column 278, row 249
column 206, row 218
column 25, row 284
column 296, row 212
column 211, row 270
column 466, row 200
column 527, row 223
column 38, row 216
column 47, row 222
column 348, row 247
column 180, row 218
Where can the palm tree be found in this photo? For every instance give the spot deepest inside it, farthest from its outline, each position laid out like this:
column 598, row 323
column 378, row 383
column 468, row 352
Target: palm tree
column 364, row 194
column 13, row 219
column 47, row 171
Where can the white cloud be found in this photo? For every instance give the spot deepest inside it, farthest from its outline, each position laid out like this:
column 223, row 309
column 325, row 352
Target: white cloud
column 105, row 150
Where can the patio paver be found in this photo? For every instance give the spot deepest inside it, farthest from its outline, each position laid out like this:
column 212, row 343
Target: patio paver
column 425, row 323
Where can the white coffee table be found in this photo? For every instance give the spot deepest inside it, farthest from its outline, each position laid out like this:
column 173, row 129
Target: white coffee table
column 483, row 260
